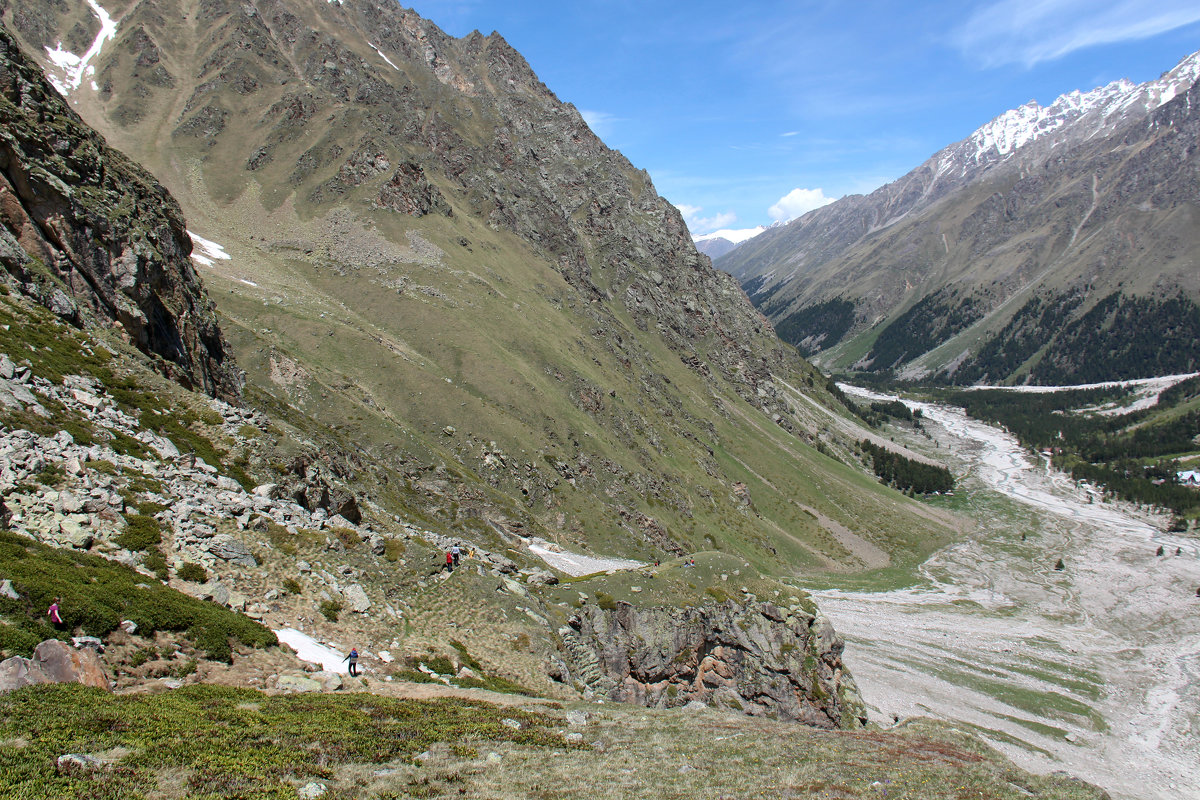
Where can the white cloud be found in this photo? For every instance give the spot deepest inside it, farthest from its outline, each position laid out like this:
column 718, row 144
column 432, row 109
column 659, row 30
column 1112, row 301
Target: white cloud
column 798, row 202
column 1029, row 31
column 601, row 122
column 698, row 224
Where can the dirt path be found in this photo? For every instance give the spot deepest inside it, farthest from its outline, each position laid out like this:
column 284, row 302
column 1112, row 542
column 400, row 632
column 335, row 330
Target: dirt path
column 1094, row 669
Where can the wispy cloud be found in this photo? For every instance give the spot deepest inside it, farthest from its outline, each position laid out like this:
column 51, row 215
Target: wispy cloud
column 701, row 225
column 602, row 123
column 1030, row 31
column 798, row 202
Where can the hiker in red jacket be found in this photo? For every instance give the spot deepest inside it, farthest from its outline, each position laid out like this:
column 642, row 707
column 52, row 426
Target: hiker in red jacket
column 54, row 614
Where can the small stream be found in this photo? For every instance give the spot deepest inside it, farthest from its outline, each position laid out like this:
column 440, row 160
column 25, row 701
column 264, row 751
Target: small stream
column 1094, row 669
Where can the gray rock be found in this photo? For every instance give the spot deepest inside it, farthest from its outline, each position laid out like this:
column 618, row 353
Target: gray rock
column 577, row 718
column 737, row 655
column 298, row 683
column 312, row 790
column 77, row 763
column 73, row 532
column 357, row 598
column 7, row 590
column 69, row 503
column 509, row 722
column 541, row 577
column 330, row 681
column 53, row 662
column 227, row 548
column 216, row 592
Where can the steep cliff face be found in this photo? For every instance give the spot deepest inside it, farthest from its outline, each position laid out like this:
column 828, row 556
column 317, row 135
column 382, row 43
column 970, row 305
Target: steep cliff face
column 755, row 657
column 95, row 238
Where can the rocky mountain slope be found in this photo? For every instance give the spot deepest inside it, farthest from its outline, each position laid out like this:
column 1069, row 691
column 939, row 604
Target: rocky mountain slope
column 1019, row 253
column 483, row 316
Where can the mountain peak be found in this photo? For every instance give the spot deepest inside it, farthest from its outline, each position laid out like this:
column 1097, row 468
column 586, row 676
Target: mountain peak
column 1105, row 106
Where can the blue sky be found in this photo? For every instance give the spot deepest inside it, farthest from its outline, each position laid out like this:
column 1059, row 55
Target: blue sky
column 745, row 113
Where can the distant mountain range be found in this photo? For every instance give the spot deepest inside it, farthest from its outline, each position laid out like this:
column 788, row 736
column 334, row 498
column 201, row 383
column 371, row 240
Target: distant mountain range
column 718, row 243
column 1052, row 245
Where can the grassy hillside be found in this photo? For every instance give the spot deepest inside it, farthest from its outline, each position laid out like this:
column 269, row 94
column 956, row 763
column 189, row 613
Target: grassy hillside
column 363, row 746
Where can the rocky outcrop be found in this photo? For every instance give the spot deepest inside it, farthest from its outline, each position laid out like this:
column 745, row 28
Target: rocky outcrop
column 54, row 662
column 756, row 657
column 94, row 237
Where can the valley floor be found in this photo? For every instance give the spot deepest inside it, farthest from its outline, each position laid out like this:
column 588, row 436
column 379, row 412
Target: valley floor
column 1094, row 669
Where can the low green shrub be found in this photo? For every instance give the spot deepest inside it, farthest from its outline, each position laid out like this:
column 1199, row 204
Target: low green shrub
column 239, row 742
column 331, row 609
column 97, row 594
column 141, row 533
column 192, row 572
column 154, row 561
column 291, row 586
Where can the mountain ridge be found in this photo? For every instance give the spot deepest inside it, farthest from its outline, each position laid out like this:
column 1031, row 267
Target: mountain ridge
column 996, row 226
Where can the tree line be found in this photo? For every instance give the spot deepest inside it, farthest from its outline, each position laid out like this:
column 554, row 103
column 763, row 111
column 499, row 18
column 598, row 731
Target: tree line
column 904, row 473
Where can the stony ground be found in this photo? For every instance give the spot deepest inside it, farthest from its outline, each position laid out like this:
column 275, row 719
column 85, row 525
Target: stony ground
column 1092, row 669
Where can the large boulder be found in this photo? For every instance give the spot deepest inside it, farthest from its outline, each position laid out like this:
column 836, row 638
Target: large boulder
column 54, row 662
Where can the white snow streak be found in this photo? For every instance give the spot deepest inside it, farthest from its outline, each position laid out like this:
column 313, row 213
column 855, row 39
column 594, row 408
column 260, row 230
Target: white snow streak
column 309, row 649
column 385, row 58
column 576, row 564
column 74, row 67
column 209, row 252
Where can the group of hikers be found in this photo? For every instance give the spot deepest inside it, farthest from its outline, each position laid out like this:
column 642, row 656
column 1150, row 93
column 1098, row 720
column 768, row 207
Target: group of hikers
column 454, row 554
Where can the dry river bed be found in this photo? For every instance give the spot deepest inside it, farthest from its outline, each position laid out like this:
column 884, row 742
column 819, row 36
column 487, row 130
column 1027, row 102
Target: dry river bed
column 1094, row 669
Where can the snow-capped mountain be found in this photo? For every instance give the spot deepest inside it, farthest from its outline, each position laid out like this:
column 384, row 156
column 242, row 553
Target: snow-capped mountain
column 1076, row 114
column 718, row 243
column 1048, row 234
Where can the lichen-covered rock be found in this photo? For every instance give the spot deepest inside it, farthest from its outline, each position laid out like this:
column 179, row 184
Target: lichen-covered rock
column 756, row 658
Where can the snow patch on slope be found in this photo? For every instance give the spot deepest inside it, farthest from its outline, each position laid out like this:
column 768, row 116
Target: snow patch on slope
column 385, row 58
column 206, row 252
column 72, row 68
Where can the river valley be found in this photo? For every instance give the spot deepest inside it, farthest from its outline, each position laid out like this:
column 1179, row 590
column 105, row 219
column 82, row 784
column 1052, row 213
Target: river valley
column 1093, row 669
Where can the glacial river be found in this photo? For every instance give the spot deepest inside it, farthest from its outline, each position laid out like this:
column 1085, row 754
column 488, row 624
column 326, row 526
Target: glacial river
column 1093, row 669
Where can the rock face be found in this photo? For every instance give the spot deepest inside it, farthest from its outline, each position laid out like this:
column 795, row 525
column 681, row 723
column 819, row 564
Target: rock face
column 94, row 237
column 756, row 658
column 54, row 662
